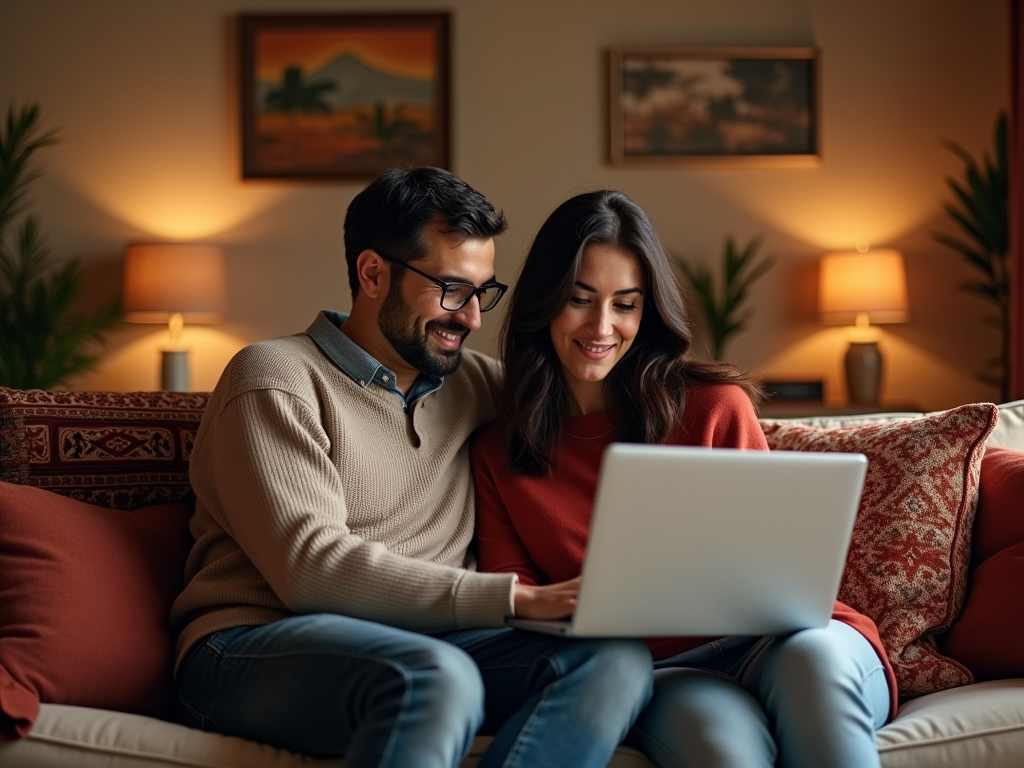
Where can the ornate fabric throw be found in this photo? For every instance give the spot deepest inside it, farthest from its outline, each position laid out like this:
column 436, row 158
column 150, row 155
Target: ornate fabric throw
column 908, row 559
column 116, row 450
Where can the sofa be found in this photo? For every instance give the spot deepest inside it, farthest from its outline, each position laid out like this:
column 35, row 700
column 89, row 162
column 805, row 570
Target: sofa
column 94, row 503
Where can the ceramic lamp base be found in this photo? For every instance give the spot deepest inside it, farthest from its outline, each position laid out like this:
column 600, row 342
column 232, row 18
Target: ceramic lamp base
column 863, row 372
column 174, row 371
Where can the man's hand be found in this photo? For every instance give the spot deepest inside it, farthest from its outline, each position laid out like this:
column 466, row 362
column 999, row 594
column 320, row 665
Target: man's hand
column 553, row 601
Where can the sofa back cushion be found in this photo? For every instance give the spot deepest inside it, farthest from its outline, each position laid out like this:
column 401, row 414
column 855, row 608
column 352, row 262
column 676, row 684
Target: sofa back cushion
column 908, row 559
column 120, row 450
column 988, row 636
column 84, row 597
column 1009, row 432
column 86, row 585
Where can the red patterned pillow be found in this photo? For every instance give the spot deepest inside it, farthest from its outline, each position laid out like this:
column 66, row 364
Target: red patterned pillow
column 907, row 564
column 85, row 593
column 120, row 450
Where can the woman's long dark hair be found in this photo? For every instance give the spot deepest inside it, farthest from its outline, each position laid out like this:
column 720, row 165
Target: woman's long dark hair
column 647, row 389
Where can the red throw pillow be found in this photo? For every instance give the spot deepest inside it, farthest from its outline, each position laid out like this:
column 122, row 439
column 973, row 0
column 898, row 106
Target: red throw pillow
column 988, row 636
column 1000, row 520
column 907, row 565
column 85, row 593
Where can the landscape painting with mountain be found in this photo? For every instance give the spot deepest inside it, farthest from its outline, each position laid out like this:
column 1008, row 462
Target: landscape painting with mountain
column 343, row 96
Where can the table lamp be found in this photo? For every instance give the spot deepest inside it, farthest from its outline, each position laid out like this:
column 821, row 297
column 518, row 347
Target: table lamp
column 861, row 288
column 173, row 283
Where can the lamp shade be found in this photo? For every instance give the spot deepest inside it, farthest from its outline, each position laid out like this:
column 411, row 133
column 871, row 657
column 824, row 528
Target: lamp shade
column 161, row 279
column 872, row 284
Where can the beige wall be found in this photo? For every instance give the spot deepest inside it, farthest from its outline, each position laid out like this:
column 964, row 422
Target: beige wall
column 144, row 94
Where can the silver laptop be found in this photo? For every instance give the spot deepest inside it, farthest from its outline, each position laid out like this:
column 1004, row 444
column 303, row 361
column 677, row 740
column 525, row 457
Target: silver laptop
column 697, row 541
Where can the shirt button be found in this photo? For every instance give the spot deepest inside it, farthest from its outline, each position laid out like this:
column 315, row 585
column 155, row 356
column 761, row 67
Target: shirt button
column 386, row 377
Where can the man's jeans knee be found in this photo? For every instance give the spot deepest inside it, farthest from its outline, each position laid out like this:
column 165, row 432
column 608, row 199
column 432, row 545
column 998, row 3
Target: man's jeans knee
column 331, row 685
column 552, row 701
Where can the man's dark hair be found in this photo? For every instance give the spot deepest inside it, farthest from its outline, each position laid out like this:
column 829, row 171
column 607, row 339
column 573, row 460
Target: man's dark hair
column 390, row 214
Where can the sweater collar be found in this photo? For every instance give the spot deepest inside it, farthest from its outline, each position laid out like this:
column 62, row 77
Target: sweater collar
column 358, row 364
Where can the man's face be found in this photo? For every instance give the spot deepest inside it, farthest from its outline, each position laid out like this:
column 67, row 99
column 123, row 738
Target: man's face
column 426, row 336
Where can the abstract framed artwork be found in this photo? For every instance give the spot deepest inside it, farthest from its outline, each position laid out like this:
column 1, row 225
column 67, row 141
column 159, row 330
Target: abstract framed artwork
column 713, row 106
column 342, row 96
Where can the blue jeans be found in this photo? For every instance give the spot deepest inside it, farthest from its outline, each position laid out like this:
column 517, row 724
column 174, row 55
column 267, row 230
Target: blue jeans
column 813, row 698
column 331, row 685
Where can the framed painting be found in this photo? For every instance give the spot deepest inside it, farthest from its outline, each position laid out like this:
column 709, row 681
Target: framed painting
column 342, row 96
column 713, row 106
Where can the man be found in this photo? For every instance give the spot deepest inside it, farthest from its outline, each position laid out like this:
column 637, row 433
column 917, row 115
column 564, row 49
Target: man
column 331, row 604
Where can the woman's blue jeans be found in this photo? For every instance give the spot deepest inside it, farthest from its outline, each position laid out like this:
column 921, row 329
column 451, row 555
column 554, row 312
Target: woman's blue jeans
column 330, row 685
column 810, row 699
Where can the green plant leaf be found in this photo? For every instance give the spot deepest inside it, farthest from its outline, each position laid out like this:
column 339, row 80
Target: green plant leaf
column 720, row 306
column 981, row 213
column 43, row 338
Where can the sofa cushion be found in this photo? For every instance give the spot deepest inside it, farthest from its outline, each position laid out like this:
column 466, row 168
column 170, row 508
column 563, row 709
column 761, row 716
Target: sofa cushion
column 988, row 636
column 85, row 593
column 95, row 738
column 976, row 726
column 981, row 726
column 116, row 449
column 1009, row 432
column 908, row 558
column 1000, row 520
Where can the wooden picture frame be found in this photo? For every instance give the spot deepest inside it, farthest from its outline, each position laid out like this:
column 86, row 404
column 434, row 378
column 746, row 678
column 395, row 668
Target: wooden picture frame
column 713, row 106
column 343, row 96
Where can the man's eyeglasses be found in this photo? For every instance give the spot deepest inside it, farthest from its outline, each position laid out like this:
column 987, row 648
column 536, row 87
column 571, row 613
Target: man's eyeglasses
column 454, row 296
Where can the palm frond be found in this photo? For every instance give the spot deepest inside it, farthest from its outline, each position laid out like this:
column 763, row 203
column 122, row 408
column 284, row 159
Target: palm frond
column 720, row 306
column 981, row 213
column 44, row 338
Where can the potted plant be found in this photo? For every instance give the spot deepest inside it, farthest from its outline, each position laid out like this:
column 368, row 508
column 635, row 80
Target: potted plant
column 980, row 212
column 722, row 305
column 44, row 338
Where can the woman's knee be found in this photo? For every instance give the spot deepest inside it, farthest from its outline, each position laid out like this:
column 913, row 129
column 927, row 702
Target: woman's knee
column 833, row 652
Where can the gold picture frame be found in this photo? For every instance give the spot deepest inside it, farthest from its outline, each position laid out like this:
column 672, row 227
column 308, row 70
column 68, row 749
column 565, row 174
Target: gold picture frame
column 345, row 95
column 753, row 106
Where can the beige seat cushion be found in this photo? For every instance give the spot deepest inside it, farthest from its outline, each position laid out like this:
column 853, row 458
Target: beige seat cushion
column 79, row 737
column 977, row 726
column 980, row 726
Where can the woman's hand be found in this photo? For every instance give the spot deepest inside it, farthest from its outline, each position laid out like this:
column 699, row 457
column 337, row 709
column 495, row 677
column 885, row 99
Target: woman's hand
column 552, row 601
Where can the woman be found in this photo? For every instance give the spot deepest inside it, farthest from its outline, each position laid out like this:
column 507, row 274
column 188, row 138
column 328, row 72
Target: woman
column 596, row 349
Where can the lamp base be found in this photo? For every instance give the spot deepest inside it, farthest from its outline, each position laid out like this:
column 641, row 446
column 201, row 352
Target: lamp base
column 174, row 370
column 863, row 372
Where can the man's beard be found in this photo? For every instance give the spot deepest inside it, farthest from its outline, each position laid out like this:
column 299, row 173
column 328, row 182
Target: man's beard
column 398, row 324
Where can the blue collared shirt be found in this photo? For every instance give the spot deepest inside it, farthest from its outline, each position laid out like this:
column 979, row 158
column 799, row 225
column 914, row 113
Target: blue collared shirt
column 359, row 365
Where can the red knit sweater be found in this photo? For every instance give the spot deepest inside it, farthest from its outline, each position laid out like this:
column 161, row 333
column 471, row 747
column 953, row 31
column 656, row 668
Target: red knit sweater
column 537, row 527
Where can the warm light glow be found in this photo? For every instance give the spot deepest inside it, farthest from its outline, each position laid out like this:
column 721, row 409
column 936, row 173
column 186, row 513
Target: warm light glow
column 832, row 209
column 165, row 279
column 182, row 195
column 135, row 365
column 862, row 287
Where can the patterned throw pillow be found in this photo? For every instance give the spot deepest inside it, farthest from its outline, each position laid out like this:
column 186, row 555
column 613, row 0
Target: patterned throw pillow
column 120, row 450
column 907, row 564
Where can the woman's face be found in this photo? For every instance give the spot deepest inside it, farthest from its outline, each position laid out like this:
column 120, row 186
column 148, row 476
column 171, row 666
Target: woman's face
column 598, row 324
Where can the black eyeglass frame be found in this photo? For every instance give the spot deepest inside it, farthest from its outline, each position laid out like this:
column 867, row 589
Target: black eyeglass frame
column 476, row 290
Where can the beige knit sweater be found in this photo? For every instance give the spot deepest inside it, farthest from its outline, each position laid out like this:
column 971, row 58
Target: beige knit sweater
column 316, row 495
